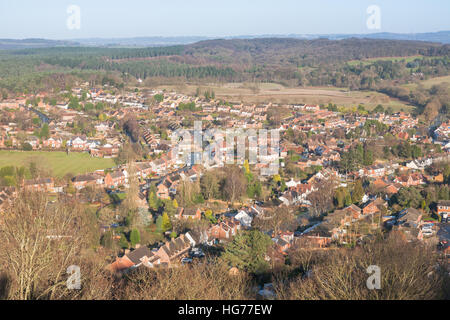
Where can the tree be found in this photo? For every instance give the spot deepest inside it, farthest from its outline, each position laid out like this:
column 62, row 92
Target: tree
column 107, row 240
column 153, row 201
column 159, row 224
column 322, row 199
column 408, row 197
column 37, row 248
column 45, row 132
column 408, row 272
column 209, row 215
column 123, row 243
column 282, row 218
column 342, row 197
column 247, row 251
column 209, row 185
column 27, row 147
column 378, row 109
column 135, row 237
column 234, row 186
column 166, row 223
column 158, row 97
column 358, row 191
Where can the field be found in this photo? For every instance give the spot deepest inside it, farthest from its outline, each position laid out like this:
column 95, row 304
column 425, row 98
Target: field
column 393, row 59
column 59, row 163
column 430, row 82
column 259, row 93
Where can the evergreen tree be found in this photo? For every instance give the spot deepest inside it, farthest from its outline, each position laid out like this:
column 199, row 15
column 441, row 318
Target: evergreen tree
column 153, row 201
column 135, row 237
column 166, row 223
column 358, row 192
column 159, row 224
column 247, row 251
column 123, row 243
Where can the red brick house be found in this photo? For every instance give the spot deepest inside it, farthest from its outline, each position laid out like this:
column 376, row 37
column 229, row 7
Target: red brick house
column 373, row 207
column 224, row 230
column 115, row 179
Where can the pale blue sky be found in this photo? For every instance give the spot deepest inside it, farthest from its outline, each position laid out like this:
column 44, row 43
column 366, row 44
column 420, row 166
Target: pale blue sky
column 138, row 18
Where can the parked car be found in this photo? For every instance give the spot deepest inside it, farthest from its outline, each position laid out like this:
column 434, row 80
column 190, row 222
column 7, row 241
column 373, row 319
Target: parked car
column 197, row 253
column 427, row 232
column 186, row 260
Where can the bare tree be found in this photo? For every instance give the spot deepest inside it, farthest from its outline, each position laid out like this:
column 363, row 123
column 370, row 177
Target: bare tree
column 235, row 184
column 38, row 242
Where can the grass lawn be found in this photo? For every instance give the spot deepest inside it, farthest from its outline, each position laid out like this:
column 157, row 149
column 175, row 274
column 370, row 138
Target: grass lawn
column 58, row 162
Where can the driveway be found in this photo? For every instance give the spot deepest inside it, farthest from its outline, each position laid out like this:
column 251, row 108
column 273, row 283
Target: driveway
column 444, row 231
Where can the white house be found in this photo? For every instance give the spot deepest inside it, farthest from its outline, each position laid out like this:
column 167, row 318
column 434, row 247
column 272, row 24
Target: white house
column 244, row 218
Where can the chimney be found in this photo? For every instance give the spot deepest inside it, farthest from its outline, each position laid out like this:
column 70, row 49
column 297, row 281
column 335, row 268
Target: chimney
column 137, row 246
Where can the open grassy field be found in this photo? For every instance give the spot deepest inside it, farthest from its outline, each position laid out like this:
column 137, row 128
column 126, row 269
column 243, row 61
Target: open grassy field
column 393, row 59
column 59, row 163
column 276, row 93
column 429, row 83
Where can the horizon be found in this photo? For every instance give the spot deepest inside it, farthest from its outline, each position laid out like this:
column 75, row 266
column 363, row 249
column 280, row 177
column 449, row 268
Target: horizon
column 228, row 37
column 80, row 19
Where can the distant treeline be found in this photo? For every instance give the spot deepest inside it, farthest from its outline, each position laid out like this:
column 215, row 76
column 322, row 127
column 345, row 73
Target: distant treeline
column 351, row 63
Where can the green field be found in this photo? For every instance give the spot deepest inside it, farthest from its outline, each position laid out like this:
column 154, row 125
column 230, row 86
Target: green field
column 59, row 163
column 427, row 84
column 393, row 59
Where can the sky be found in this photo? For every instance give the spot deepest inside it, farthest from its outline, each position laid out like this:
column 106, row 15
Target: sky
column 50, row 19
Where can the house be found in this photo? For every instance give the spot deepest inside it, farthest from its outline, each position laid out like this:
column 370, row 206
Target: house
column 78, row 143
column 190, row 213
column 159, row 166
column 410, row 180
column 443, row 208
column 374, row 206
column 143, row 169
column 53, row 143
column 353, row 211
column 132, row 259
column 168, row 254
column 244, row 218
column 33, row 141
column 224, row 230
column 391, row 189
column 289, row 198
column 106, row 151
column 85, row 180
column 409, row 221
column 43, row 185
column 163, row 189
column 116, row 179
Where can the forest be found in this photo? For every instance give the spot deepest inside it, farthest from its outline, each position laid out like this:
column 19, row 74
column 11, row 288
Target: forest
column 356, row 64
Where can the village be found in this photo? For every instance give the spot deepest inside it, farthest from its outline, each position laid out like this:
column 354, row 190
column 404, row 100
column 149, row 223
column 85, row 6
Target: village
column 343, row 178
